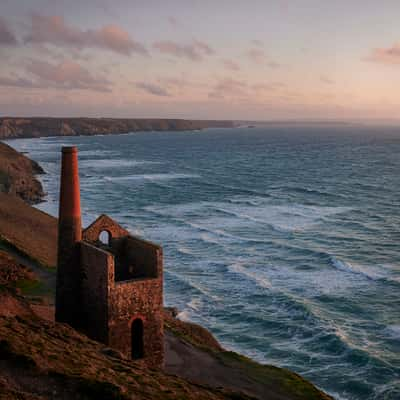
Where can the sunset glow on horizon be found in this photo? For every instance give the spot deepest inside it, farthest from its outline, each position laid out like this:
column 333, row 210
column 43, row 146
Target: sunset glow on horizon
column 248, row 60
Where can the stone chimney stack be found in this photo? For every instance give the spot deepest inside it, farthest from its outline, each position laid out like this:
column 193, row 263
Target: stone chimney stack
column 69, row 237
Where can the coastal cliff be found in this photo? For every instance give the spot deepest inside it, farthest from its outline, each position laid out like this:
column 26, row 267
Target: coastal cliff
column 11, row 128
column 58, row 362
column 17, row 175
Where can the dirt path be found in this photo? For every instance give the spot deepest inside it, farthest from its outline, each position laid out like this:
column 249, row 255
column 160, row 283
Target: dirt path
column 45, row 275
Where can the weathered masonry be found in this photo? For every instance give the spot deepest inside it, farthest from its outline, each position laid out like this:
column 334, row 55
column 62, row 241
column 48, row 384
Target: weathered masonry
column 109, row 283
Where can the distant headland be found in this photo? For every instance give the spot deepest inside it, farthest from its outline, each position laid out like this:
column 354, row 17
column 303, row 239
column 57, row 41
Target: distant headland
column 15, row 127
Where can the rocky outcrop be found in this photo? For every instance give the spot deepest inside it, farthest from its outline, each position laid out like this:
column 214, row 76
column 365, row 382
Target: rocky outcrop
column 38, row 127
column 17, row 175
column 12, row 272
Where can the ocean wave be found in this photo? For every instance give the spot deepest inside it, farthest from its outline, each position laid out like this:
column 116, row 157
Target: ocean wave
column 282, row 218
column 94, row 153
column 210, row 239
column 310, row 191
column 195, row 304
column 393, row 331
column 238, row 268
column 184, row 250
column 373, row 273
column 189, row 283
column 112, row 163
column 150, row 177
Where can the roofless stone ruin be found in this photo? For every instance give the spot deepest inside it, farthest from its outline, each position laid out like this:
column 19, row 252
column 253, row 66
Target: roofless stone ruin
column 109, row 289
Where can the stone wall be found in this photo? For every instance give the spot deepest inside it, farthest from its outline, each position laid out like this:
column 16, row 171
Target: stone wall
column 138, row 299
column 97, row 272
column 137, row 258
column 103, row 223
column 136, row 294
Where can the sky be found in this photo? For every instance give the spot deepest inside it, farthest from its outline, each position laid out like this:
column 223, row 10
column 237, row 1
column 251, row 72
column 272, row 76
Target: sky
column 208, row 59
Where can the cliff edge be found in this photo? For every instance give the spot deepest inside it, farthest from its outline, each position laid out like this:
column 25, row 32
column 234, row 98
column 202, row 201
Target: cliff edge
column 17, row 175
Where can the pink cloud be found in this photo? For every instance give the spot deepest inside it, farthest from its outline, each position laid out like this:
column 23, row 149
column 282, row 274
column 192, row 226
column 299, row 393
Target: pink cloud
column 327, row 80
column 268, row 87
column 174, row 83
column 7, row 37
column 203, row 47
column 153, row 89
column 194, row 51
column 66, row 75
column 18, row 82
column 389, row 55
column 54, row 30
column 229, row 87
column 259, row 57
column 273, row 64
column 230, row 64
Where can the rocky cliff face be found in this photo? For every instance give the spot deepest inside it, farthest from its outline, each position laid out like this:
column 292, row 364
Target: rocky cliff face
column 17, row 175
column 38, row 127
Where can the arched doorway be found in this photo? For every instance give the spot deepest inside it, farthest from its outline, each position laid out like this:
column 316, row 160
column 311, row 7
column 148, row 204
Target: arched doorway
column 105, row 237
column 137, row 350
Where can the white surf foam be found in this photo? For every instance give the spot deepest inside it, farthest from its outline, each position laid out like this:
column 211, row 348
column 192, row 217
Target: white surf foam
column 393, row 331
column 184, row 315
column 247, row 211
column 195, row 303
column 369, row 272
column 238, row 268
column 112, row 163
column 94, row 153
column 288, row 217
column 151, row 177
column 184, row 250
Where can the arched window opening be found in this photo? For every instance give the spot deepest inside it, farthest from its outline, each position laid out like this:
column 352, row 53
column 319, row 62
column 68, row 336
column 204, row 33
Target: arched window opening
column 137, row 345
column 105, row 237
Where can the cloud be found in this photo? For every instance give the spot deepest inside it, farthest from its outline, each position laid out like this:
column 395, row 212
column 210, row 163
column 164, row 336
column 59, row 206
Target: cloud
column 230, row 64
column 174, row 83
column 273, row 64
column 327, row 80
column 174, row 21
column 389, row 55
column 194, row 51
column 7, row 37
column 245, row 91
column 259, row 57
column 54, row 30
column 257, row 42
column 268, row 87
column 18, row 82
column 153, row 89
column 203, row 47
column 66, row 75
column 229, row 87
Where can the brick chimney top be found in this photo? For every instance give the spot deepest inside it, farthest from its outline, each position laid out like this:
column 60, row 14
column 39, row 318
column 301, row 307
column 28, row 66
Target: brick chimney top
column 69, row 149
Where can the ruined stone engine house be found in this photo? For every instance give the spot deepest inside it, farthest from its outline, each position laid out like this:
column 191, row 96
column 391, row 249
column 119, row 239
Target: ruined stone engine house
column 110, row 291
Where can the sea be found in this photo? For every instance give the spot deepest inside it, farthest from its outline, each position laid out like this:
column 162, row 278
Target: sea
column 283, row 241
